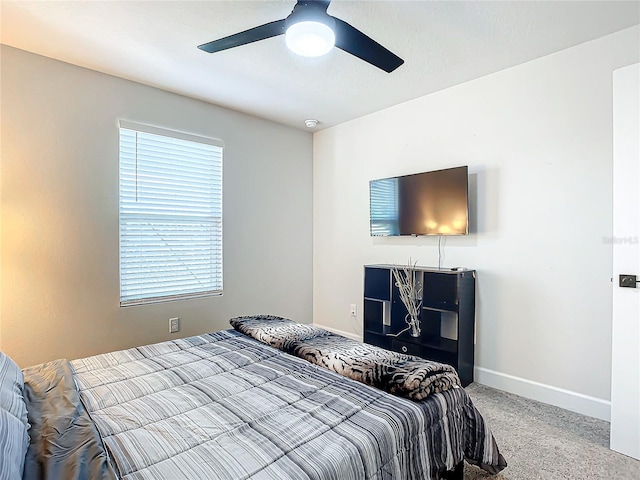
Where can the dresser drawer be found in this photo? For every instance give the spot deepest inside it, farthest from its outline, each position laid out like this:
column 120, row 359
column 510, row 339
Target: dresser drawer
column 406, row 347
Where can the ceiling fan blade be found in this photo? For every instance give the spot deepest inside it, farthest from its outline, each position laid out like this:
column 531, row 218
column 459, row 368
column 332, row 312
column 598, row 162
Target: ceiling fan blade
column 353, row 41
column 262, row 32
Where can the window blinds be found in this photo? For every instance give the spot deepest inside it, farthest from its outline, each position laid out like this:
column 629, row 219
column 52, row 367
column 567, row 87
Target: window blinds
column 170, row 215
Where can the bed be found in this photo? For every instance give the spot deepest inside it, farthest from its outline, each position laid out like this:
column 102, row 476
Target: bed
column 269, row 399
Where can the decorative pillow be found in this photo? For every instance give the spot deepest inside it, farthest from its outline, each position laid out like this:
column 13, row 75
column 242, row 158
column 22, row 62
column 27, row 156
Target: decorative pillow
column 11, row 389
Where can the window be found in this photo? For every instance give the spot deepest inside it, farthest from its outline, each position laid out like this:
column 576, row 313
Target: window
column 384, row 207
column 170, row 215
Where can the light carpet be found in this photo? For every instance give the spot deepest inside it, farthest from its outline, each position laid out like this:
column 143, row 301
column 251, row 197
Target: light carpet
column 540, row 441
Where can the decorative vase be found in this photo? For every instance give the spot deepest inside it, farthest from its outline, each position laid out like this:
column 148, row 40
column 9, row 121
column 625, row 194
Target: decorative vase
column 414, row 323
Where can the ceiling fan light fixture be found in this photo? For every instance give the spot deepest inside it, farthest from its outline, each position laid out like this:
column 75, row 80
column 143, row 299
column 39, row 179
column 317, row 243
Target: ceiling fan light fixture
column 310, row 38
column 310, row 31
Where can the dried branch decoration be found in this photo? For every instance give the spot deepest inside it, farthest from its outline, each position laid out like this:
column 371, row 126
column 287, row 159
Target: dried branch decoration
column 411, row 295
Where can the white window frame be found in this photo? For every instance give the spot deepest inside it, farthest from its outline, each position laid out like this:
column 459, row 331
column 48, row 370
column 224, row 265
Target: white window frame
column 160, row 230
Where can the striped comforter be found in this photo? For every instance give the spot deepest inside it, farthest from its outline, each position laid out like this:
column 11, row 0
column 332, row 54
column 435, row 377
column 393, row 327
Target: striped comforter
column 225, row 406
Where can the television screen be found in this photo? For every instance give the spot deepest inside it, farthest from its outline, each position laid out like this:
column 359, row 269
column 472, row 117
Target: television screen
column 429, row 203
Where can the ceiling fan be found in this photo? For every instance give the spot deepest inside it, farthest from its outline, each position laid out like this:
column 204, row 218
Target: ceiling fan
column 309, row 30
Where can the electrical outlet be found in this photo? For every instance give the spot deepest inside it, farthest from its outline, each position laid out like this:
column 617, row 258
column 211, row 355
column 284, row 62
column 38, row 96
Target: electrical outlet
column 629, row 281
column 353, row 310
column 174, row 325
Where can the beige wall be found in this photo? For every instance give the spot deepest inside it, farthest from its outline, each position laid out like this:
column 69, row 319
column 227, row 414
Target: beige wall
column 59, row 217
column 538, row 142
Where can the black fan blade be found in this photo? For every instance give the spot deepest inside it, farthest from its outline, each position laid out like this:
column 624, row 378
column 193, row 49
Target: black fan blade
column 353, row 41
column 262, row 32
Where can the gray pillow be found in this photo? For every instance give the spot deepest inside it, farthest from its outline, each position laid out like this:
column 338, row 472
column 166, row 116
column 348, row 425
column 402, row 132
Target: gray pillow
column 14, row 436
column 14, row 441
column 11, row 388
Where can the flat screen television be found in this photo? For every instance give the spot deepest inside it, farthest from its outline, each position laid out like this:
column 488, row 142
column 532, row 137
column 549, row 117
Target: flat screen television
column 428, row 203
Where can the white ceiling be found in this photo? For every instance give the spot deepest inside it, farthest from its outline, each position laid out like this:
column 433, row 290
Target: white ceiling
column 443, row 43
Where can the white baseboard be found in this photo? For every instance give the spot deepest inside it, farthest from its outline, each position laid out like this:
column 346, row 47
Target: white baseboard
column 576, row 402
column 352, row 336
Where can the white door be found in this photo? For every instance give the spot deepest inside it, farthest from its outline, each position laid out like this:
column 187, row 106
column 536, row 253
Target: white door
column 625, row 361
